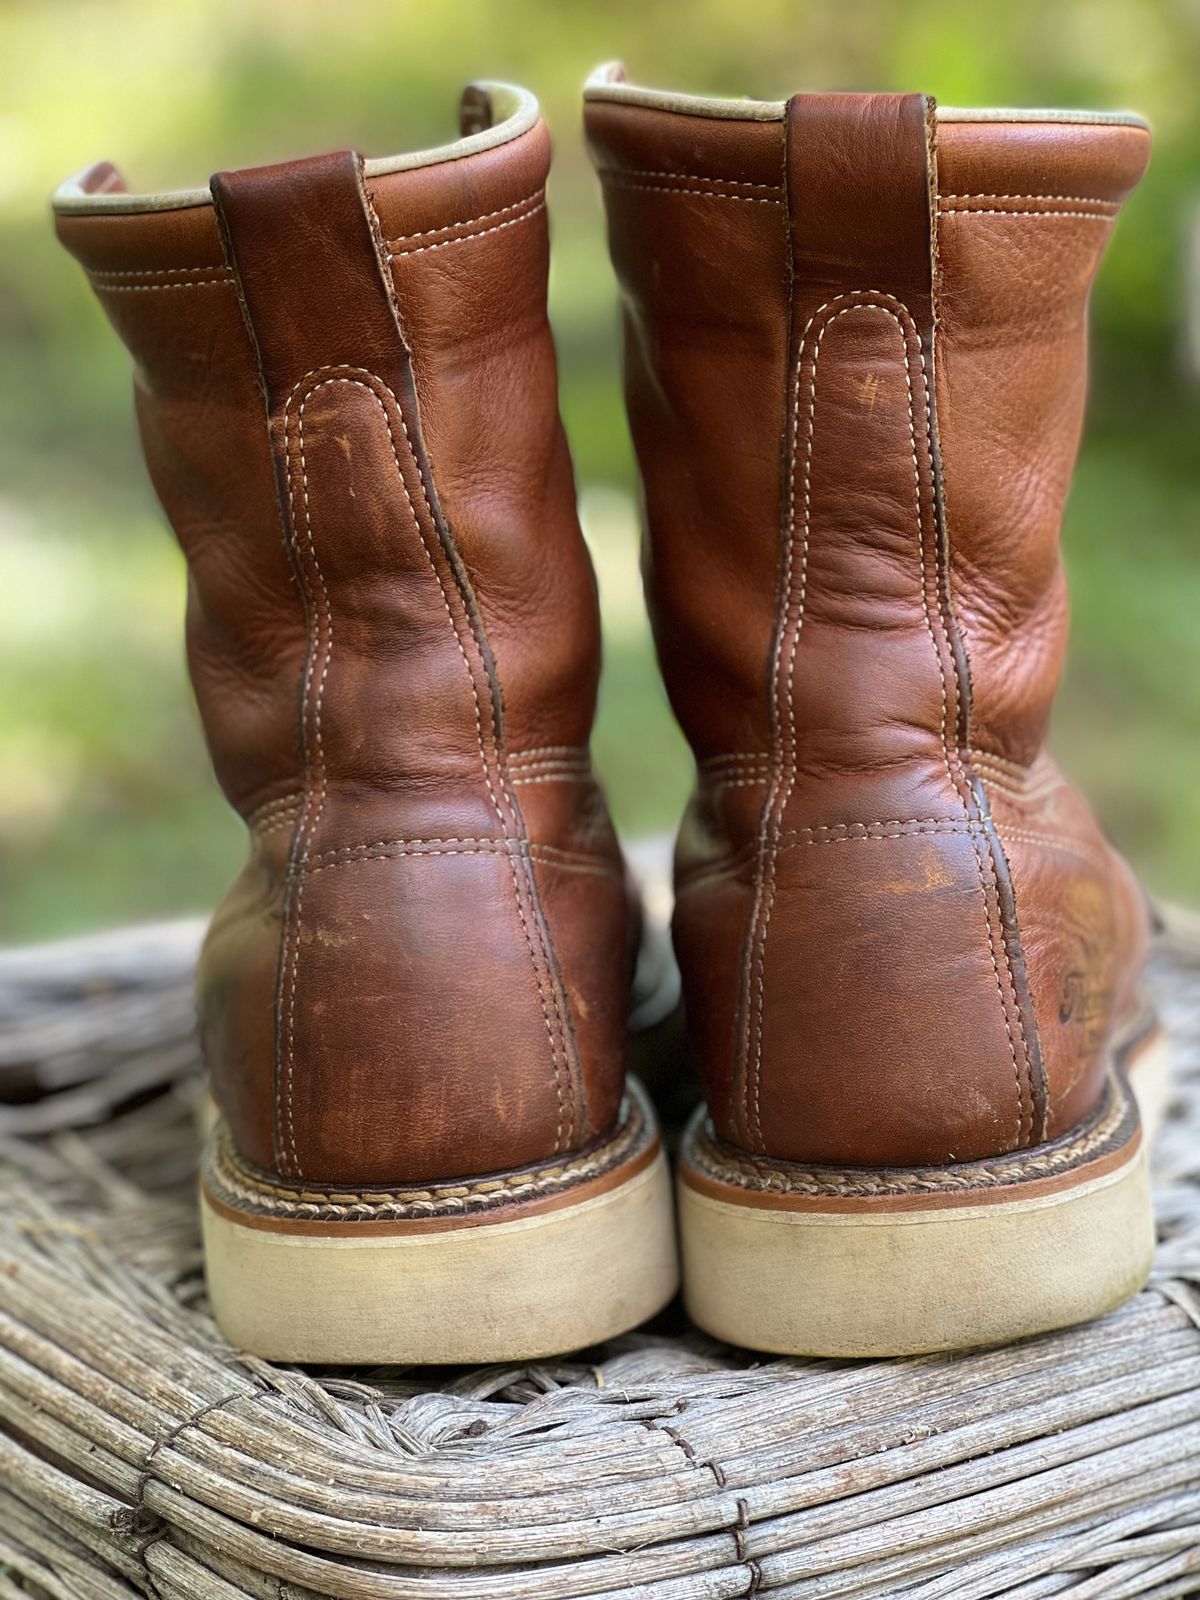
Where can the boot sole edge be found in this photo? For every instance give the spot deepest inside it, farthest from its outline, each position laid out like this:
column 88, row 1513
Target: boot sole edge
column 908, row 1274
column 534, row 1278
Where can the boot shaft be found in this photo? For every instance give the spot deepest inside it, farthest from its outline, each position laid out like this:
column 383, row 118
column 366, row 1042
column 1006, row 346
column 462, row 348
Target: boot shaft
column 394, row 641
column 855, row 368
column 712, row 208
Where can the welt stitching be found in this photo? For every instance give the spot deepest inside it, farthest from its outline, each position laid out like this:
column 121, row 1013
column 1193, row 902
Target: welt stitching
column 243, row 1182
column 704, row 194
column 369, row 387
column 466, row 222
column 622, row 174
column 461, row 238
column 1106, row 1128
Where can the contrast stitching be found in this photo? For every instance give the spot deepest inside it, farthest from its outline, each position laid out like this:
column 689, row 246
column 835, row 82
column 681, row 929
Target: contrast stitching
column 980, row 211
column 623, row 174
column 1065, row 199
column 370, row 389
column 476, row 698
column 541, row 752
column 306, row 825
column 1109, row 1128
column 157, row 272
column 155, row 288
column 581, row 763
column 783, row 782
column 462, row 238
column 1053, row 841
column 980, row 855
column 389, row 849
column 831, row 828
column 701, row 194
column 269, row 808
column 868, row 832
column 1019, row 769
column 466, row 222
column 564, row 776
column 589, row 867
column 232, row 1177
column 263, row 830
column 777, row 801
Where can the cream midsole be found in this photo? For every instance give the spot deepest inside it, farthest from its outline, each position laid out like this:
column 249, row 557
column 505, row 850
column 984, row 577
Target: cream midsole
column 529, row 1286
column 856, row 1283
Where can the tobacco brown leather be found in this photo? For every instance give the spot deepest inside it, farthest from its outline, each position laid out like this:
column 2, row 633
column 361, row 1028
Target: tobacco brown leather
column 347, row 395
column 855, row 356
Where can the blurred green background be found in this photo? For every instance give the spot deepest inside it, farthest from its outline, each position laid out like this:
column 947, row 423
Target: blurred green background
column 107, row 809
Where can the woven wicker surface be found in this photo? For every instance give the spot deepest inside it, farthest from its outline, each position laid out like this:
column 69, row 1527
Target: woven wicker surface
column 139, row 1454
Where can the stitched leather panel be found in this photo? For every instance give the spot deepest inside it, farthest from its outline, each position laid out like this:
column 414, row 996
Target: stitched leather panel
column 1012, row 358
column 361, row 661
column 847, row 920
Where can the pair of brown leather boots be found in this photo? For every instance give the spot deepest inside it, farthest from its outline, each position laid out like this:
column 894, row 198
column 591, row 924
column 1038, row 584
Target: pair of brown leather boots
column 855, row 351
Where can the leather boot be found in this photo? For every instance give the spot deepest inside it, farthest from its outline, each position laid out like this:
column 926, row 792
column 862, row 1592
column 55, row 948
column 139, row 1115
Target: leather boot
column 413, row 999
column 855, row 351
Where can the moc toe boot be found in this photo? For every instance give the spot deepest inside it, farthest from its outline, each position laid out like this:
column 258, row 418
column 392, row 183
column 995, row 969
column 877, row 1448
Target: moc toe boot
column 855, row 345
column 413, row 999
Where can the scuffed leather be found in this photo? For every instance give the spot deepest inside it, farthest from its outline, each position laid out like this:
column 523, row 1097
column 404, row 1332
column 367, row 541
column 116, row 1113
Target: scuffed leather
column 422, row 970
column 856, row 395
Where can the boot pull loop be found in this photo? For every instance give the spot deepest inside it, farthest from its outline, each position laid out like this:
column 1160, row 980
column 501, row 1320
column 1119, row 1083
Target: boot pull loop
column 304, row 247
column 859, row 182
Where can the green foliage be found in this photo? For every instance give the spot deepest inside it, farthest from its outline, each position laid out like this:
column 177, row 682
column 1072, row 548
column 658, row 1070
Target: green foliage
column 106, row 806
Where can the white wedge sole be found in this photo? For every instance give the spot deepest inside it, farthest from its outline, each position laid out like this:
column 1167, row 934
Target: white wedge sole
column 878, row 1262
column 511, row 1268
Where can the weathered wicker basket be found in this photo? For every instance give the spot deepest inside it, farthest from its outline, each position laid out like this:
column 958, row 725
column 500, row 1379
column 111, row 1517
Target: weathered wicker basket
column 139, row 1454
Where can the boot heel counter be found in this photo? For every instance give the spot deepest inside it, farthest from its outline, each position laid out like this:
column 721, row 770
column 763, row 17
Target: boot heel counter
column 353, row 1047
column 236, row 981
column 878, row 1019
